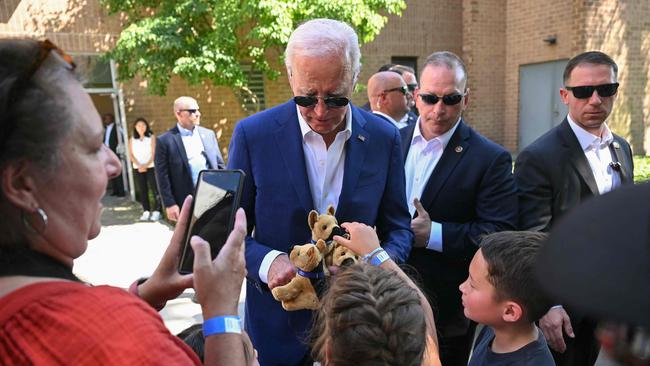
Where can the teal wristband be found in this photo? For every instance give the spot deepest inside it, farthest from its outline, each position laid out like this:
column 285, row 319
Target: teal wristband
column 222, row 324
column 379, row 258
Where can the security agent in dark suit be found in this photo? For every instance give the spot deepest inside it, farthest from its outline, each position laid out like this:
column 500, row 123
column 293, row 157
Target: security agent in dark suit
column 578, row 159
column 459, row 186
column 181, row 153
column 110, row 136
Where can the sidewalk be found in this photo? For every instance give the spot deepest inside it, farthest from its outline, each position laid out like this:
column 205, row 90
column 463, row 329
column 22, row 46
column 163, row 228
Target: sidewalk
column 126, row 250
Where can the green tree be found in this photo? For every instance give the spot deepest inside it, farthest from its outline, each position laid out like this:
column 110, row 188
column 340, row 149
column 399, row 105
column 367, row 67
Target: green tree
column 209, row 40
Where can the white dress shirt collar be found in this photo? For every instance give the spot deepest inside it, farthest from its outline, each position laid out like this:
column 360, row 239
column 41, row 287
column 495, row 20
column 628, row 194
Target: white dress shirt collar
column 305, row 129
column 399, row 124
column 184, row 131
column 443, row 139
column 588, row 140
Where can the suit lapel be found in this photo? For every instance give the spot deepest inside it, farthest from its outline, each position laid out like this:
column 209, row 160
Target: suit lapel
column 355, row 154
column 619, row 155
column 453, row 153
column 288, row 139
column 406, row 134
column 176, row 136
column 208, row 148
column 577, row 156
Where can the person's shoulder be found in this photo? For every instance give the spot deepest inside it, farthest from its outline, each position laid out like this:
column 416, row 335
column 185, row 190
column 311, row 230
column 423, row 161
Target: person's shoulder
column 546, row 142
column 537, row 352
column 374, row 124
column 481, row 144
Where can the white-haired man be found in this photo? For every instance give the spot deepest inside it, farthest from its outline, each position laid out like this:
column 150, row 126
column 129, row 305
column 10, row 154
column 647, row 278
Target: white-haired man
column 313, row 151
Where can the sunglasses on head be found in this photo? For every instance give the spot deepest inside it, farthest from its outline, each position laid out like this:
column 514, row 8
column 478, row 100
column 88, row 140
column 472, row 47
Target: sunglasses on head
column 190, row 111
column 330, row 102
column 586, row 91
column 412, row 87
column 451, row 99
column 402, row 89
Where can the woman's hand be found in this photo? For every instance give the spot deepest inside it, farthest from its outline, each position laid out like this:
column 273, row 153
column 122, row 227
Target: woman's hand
column 166, row 283
column 218, row 282
column 363, row 238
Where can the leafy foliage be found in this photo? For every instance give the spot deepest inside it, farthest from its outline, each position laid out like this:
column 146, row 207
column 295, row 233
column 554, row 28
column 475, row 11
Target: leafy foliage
column 202, row 40
column 641, row 169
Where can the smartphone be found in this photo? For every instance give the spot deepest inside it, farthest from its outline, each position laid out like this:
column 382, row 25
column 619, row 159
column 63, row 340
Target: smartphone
column 216, row 199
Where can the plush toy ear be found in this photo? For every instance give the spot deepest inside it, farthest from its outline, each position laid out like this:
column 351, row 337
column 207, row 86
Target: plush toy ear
column 310, row 252
column 330, row 210
column 321, row 245
column 313, row 216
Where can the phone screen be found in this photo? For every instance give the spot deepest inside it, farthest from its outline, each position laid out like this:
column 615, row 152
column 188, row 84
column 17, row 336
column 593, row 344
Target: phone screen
column 216, row 199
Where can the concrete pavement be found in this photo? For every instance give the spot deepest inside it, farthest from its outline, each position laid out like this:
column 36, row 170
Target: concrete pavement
column 127, row 249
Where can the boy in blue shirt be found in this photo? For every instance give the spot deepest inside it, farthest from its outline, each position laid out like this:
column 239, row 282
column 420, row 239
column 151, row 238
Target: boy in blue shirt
column 502, row 293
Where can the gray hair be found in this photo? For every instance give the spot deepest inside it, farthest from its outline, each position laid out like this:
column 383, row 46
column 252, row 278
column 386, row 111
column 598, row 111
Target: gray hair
column 34, row 114
column 320, row 37
column 452, row 62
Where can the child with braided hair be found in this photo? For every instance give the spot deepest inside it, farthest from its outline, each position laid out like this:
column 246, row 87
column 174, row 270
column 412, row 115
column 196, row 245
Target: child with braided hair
column 373, row 314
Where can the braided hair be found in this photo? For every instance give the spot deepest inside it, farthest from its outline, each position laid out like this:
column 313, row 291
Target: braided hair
column 369, row 316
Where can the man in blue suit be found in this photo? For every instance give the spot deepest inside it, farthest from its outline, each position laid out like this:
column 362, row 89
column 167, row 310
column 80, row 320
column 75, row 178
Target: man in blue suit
column 181, row 153
column 308, row 153
column 459, row 186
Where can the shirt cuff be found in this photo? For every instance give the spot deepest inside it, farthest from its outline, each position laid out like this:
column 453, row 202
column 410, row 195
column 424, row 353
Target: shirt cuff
column 266, row 264
column 435, row 237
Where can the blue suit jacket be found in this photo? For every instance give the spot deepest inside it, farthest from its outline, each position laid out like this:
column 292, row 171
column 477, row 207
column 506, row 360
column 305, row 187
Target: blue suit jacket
column 276, row 196
column 471, row 192
column 173, row 172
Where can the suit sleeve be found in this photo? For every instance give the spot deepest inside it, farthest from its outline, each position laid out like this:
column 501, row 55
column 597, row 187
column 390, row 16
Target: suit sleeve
column 495, row 210
column 534, row 193
column 239, row 158
column 161, row 166
column 393, row 219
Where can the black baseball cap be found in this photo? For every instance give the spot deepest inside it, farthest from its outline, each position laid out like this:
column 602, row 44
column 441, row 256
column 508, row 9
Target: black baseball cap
column 597, row 257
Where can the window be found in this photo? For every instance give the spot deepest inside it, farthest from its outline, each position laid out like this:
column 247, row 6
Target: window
column 410, row 61
column 252, row 99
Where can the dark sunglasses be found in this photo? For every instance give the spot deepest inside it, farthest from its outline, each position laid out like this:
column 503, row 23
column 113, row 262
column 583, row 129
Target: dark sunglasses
column 330, row 102
column 586, row 91
column 402, row 89
column 412, row 87
column 451, row 99
column 190, row 111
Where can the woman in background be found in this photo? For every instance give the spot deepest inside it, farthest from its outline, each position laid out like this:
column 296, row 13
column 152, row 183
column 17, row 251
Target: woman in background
column 142, row 147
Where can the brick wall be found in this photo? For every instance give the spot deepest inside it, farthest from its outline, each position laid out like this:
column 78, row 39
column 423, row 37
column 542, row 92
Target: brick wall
column 484, row 46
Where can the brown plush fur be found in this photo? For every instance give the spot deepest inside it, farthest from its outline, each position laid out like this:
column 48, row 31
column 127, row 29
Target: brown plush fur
column 321, row 226
column 299, row 293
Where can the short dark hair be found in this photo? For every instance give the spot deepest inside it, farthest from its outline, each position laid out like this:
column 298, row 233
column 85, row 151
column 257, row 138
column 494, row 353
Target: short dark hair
column 147, row 132
column 591, row 57
column 510, row 257
column 402, row 69
column 385, row 67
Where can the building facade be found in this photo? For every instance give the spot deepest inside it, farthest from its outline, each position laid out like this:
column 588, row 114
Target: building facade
column 515, row 51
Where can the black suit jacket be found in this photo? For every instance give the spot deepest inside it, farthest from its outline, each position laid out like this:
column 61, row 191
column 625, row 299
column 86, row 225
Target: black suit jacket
column 173, row 172
column 553, row 176
column 112, row 139
column 470, row 192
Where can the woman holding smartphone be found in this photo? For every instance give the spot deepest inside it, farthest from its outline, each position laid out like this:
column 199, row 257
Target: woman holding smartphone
column 142, row 147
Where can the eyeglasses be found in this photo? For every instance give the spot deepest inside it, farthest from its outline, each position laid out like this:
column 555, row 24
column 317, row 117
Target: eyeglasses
column 21, row 83
column 190, row 111
column 412, row 87
column 586, row 91
column 402, row 89
column 330, row 102
column 451, row 99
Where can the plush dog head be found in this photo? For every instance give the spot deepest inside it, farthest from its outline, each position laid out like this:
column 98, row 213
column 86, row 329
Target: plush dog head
column 343, row 256
column 307, row 257
column 324, row 226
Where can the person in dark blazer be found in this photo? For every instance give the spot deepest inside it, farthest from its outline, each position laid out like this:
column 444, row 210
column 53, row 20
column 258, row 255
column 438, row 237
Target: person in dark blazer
column 111, row 140
column 308, row 153
column 578, row 159
column 459, row 187
column 387, row 93
column 181, row 153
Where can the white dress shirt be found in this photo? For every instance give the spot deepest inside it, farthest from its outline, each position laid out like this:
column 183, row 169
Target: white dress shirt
column 194, row 151
column 598, row 155
column 324, row 168
column 422, row 158
column 399, row 124
column 107, row 134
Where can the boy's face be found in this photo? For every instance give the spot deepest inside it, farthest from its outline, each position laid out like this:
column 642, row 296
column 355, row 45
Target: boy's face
column 479, row 296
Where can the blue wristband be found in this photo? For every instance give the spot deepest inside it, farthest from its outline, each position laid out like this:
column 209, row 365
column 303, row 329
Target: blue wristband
column 366, row 258
column 379, row 258
column 222, row 324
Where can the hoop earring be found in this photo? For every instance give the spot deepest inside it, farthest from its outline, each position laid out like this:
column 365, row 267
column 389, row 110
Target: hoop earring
column 30, row 227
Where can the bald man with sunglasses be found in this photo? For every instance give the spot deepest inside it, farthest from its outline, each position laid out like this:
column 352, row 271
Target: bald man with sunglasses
column 459, row 186
column 578, row 159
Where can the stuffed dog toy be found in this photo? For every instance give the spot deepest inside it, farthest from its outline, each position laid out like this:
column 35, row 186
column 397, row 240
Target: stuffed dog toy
column 301, row 292
column 324, row 227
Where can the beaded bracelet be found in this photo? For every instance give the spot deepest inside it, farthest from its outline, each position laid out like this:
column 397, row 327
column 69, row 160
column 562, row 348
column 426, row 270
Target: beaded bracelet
column 221, row 325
